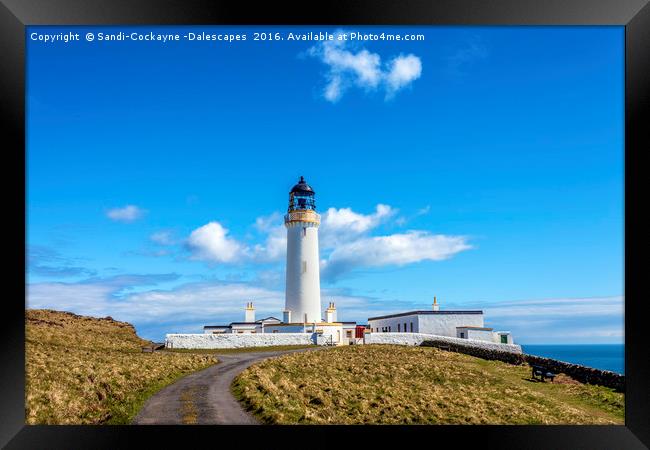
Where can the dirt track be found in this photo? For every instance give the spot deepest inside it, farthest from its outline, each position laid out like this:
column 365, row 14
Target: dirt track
column 204, row 397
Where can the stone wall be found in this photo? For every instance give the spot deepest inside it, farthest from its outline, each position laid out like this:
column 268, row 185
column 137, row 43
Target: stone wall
column 578, row 372
column 420, row 338
column 508, row 353
column 237, row 340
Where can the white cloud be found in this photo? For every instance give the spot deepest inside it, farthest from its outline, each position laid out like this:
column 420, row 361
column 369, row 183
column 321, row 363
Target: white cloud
column 275, row 245
column 270, row 222
column 343, row 224
column 129, row 213
column 212, row 243
column 344, row 242
column 395, row 249
column 363, row 69
column 403, row 70
column 162, row 238
column 333, row 89
column 274, row 248
column 346, row 219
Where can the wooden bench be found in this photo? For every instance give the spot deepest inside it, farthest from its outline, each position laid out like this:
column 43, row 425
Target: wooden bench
column 541, row 372
column 152, row 348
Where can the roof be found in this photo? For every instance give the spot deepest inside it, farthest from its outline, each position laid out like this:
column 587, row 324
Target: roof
column 475, row 328
column 413, row 313
column 306, row 324
column 216, row 326
column 302, row 187
column 267, row 318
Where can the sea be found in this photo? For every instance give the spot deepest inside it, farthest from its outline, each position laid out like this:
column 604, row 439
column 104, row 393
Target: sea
column 599, row 356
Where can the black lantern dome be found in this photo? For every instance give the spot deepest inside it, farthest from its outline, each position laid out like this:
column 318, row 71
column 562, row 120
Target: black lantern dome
column 302, row 187
column 301, row 197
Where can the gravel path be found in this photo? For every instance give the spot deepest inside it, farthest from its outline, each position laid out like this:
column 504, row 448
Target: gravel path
column 204, row 397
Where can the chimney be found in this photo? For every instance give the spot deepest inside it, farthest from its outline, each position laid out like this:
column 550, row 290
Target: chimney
column 436, row 307
column 249, row 315
column 330, row 313
column 286, row 316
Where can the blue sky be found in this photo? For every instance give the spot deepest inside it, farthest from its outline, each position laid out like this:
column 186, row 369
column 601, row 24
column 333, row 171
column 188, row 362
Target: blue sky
column 483, row 165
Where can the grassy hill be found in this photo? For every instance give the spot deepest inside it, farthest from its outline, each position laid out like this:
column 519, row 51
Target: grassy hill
column 386, row 384
column 85, row 370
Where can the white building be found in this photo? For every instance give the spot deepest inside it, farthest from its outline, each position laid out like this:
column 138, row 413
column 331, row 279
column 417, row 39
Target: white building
column 466, row 324
column 475, row 333
column 484, row 334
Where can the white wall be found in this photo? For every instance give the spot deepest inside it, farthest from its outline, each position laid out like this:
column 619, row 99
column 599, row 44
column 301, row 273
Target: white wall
column 393, row 321
column 303, row 286
column 236, row 340
column 445, row 324
column 418, row 338
column 335, row 331
column 438, row 324
column 480, row 335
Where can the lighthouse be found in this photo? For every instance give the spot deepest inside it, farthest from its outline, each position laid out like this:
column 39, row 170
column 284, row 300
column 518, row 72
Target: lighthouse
column 302, row 295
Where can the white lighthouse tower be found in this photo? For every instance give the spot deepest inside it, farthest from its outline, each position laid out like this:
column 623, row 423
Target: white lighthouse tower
column 302, row 298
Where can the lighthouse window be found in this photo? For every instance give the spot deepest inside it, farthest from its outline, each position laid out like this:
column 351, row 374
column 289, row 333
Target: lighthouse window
column 304, row 231
column 302, row 202
column 304, row 266
column 399, row 327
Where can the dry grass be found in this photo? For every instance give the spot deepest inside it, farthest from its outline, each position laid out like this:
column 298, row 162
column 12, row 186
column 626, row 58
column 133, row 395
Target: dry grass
column 415, row 385
column 84, row 370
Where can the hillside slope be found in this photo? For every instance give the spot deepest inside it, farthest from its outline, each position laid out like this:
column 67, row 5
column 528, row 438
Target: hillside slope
column 85, row 370
column 390, row 384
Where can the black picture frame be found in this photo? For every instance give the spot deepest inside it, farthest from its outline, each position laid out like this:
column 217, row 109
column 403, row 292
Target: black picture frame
column 634, row 15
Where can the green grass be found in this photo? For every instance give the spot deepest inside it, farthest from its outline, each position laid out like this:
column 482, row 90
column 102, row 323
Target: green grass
column 387, row 384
